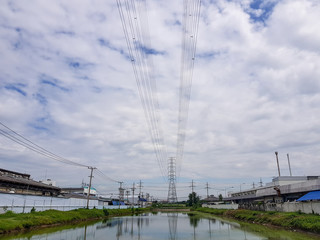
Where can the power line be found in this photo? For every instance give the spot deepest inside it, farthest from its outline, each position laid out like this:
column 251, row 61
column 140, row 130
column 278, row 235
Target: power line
column 134, row 19
column 21, row 140
column 133, row 16
column 190, row 25
column 104, row 176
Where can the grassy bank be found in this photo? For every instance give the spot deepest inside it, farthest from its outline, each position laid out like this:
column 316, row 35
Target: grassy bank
column 23, row 221
column 160, row 207
column 305, row 222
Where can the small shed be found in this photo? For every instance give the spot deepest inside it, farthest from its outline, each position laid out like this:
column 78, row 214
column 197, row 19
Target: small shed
column 310, row 196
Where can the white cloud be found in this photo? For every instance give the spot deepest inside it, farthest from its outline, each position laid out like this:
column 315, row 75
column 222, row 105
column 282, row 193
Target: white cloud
column 65, row 83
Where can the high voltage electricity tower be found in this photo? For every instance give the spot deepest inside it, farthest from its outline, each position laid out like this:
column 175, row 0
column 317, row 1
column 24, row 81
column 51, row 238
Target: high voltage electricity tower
column 134, row 19
column 172, row 193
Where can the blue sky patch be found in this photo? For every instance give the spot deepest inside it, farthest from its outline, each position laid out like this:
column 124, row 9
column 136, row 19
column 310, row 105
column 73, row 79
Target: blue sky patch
column 67, row 33
column 266, row 8
column 40, row 124
column 106, row 43
column 150, row 51
column 78, row 64
column 16, row 88
column 143, row 48
column 74, row 64
column 209, row 55
column 41, row 99
column 46, row 80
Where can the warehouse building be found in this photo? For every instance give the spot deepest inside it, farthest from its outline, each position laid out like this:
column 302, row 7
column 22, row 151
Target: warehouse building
column 21, row 183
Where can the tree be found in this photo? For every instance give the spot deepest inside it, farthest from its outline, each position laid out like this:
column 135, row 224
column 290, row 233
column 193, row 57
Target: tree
column 220, row 197
column 194, row 200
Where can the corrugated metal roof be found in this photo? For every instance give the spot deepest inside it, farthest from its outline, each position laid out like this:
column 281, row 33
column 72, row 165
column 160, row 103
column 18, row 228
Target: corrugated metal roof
column 25, row 181
column 13, row 172
column 315, row 195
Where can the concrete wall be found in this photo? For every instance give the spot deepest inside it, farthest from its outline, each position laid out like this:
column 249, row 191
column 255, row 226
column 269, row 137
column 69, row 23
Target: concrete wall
column 305, row 207
column 222, row 206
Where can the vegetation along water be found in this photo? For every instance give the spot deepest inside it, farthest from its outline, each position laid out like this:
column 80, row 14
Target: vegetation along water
column 16, row 223
column 160, row 226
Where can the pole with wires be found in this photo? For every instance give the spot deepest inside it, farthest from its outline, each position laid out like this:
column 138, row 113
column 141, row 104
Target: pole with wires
column 133, row 188
column 91, row 169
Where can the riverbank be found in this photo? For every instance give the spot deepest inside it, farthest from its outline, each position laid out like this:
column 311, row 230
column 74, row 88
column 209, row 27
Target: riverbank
column 14, row 222
column 296, row 220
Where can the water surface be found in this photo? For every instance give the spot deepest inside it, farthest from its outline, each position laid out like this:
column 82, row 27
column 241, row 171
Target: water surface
column 162, row 226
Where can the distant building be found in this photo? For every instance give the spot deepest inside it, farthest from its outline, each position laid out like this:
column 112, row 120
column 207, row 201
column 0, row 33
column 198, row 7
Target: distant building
column 49, row 182
column 281, row 189
column 211, row 200
column 83, row 191
column 20, row 183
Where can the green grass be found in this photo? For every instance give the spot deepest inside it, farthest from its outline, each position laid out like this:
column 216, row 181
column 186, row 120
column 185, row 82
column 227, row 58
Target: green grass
column 14, row 222
column 169, row 206
column 306, row 222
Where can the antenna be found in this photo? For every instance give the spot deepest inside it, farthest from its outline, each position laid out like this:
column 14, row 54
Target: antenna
column 289, row 164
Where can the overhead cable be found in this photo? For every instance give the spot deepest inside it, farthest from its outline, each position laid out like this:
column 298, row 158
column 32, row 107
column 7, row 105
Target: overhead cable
column 134, row 19
column 190, row 23
column 21, row 140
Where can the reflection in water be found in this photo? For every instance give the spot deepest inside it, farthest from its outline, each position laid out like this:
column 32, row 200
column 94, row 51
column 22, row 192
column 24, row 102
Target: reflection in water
column 85, row 232
column 172, row 220
column 161, row 227
column 194, row 220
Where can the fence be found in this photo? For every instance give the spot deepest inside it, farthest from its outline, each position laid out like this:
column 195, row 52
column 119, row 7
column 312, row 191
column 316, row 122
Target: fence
column 24, row 203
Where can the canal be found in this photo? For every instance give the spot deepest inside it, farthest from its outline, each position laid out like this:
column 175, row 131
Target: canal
column 162, row 226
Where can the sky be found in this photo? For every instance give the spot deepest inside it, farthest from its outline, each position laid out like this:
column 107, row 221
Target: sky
column 67, row 85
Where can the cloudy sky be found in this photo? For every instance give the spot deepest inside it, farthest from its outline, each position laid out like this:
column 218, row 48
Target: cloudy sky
column 67, row 85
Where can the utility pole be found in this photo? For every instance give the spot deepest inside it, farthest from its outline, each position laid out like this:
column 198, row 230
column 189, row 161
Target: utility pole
column 91, row 168
column 133, row 188
column 207, row 187
column 192, row 186
column 121, row 193
column 289, row 164
column 140, row 187
column 260, row 182
column 127, row 192
column 278, row 163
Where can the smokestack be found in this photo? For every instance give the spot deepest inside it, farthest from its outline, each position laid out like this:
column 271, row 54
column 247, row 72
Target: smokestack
column 289, row 164
column 278, row 163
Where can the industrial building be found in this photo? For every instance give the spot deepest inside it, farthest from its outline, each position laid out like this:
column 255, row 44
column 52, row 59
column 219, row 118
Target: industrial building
column 281, row 189
column 21, row 183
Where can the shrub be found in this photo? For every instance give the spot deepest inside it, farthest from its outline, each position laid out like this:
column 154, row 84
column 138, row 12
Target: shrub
column 106, row 212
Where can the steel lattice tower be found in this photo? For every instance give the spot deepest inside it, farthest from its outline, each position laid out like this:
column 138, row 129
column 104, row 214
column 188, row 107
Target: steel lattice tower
column 172, row 193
